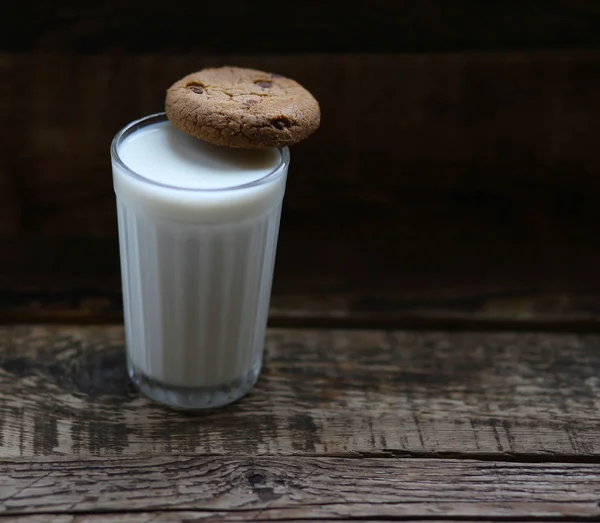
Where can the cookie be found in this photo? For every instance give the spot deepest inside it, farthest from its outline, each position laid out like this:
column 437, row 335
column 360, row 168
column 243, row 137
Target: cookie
column 242, row 108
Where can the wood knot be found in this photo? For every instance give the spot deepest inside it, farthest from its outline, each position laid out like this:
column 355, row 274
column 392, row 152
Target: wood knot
column 261, row 489
column 256, row 479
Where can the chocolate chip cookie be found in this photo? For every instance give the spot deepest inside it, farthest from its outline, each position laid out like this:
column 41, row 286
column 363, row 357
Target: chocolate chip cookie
column 242, row 108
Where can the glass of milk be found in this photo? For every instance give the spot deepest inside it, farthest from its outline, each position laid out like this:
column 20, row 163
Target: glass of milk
column 198, row 227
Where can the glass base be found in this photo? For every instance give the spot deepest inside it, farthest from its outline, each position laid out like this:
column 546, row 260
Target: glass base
column 193, row 398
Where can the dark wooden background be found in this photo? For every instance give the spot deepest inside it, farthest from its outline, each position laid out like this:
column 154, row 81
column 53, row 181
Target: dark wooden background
column 455, row 179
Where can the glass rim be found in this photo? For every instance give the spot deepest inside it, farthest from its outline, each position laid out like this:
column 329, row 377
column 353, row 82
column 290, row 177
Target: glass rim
column 151, row 119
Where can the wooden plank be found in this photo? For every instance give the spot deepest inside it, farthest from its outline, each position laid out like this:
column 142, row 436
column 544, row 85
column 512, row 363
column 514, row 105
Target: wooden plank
column 294, row 488
column 484, row 206
column 402, row 25
column 64, row 391
column 189, row 516
column 499, row 120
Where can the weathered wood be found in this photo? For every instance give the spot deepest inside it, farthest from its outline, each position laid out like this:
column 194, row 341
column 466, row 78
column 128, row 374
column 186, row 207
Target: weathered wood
column 383, row 26
column 189, row 516
column 293, row 488
column 466, row 188
column 64, row 390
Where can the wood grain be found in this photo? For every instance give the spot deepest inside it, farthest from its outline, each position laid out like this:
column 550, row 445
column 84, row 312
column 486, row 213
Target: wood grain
column 292, row 488
column 189, row 516
column 484, row 206
column 402, row 25
column 64, row 391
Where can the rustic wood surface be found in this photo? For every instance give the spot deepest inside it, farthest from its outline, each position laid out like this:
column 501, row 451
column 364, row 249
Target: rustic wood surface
column 299, row 26
column 291, row 488
column 484, row 206
column 188, row 516
column 64, row 391
column 191, row 516
column 343, row 425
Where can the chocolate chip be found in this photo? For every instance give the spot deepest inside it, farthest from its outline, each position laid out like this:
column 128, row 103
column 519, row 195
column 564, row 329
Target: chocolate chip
column 281, row 123
column 196, row 88
column 249, row 103
column 264, row 84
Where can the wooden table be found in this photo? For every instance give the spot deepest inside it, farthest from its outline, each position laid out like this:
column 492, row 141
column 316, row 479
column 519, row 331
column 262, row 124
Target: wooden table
column 369, row 425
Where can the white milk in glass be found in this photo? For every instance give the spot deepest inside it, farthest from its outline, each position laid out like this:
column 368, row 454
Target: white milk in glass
column 198, row 228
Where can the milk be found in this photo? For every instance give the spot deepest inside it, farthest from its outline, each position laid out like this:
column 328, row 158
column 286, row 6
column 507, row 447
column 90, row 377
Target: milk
column 198, row 227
